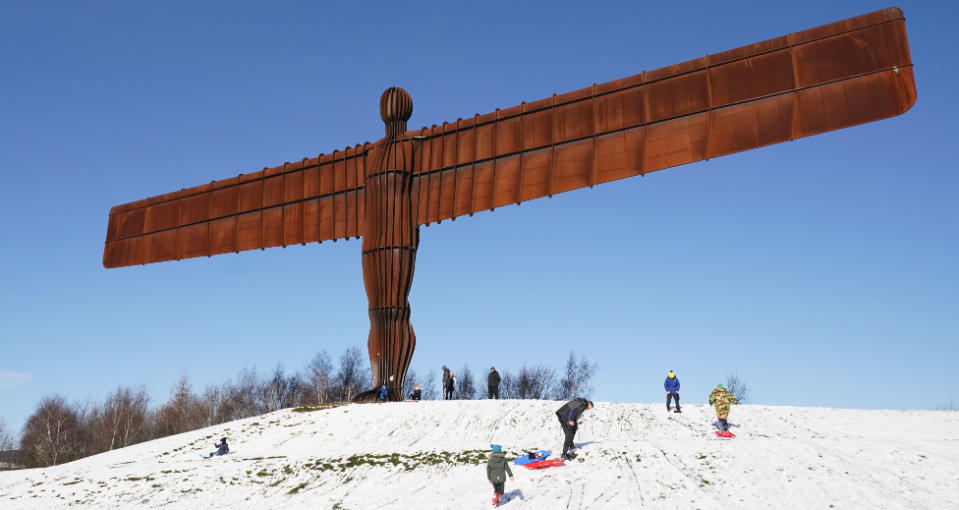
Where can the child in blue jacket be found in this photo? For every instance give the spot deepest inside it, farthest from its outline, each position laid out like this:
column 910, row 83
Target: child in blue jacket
column 672, row 390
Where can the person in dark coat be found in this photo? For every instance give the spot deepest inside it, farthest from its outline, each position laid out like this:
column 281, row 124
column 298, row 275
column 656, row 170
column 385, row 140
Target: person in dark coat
column 493, row 382
column 672, row 390
column 222, row 448
column 446, row 381
column 450, row 386
column 569, row 419
column 417, row 394
column 496, row 470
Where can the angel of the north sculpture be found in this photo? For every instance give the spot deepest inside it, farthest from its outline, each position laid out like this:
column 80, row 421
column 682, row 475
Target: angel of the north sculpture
column 822, row 79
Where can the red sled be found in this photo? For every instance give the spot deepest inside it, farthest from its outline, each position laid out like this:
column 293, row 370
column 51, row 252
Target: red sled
column 544, row 464
column 725, row 434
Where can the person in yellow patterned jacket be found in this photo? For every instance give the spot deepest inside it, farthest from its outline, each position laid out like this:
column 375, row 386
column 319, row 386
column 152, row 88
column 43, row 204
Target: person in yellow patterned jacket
column 722, row 398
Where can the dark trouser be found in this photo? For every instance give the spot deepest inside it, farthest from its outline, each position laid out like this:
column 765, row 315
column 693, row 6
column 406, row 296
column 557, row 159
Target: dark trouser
column 724, row 424
column 493, row 392
column 569, row 431
column 448, row 395
column 499, row 487
column 669, row 398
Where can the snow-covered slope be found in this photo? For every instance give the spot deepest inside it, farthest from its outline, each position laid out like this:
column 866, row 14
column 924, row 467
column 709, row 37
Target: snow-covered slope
column 431, row 455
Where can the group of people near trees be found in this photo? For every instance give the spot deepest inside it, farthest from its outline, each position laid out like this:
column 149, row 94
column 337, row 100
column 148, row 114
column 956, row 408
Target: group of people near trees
column 449, row 383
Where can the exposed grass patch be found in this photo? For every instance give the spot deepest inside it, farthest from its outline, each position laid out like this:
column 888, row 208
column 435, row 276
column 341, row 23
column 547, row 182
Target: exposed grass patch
column 296, row 489
column 406, row 461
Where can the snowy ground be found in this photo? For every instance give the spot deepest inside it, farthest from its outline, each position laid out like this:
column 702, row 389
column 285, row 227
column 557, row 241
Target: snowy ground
column 431, row 455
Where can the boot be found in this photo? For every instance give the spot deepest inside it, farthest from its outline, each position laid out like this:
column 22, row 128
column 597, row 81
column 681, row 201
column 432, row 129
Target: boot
column 677, row 409
column 496, row 499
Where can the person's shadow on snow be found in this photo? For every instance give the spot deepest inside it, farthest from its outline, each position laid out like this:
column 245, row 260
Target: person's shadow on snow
column 580, row 445
column 720, row 427
column 509, row 496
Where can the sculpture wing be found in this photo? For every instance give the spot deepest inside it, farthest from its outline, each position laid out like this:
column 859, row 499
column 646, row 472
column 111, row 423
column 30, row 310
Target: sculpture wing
column 822, row 79
column 316, row 199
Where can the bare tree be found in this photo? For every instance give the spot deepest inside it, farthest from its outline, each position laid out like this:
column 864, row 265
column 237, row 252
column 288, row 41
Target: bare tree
column 120, row 421
column 6, row 437
column 244, row 394
column 738, row 387
column 429, row 387
column 576, row 379
column 181, row 412
column 54, row 434
column 349, row 380
column 318, row 379
column 279, row 391
column 465, row 387
column 211, row 403
column 9, row 457
column 537, row 382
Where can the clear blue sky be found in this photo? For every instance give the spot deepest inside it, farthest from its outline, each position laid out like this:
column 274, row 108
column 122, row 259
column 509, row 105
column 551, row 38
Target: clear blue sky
column 823, row 270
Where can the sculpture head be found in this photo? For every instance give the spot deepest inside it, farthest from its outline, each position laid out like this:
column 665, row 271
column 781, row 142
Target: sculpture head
column 396, row 107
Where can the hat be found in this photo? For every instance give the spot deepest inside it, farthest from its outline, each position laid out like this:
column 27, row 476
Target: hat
column 496, row 448
column 720, row 385
column 492, row 368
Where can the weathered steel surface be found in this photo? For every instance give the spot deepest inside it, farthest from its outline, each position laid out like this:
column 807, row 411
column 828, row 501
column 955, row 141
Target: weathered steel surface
column 818, row 80
column 389, row 245
column 826, row 78
column 822, row 79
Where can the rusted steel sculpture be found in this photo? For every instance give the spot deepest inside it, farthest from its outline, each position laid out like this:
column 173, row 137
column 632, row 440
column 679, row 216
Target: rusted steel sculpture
column 822, row 79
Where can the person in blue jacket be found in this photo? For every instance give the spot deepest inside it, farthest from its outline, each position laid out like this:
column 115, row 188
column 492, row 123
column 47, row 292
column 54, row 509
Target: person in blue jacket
column 672, row 390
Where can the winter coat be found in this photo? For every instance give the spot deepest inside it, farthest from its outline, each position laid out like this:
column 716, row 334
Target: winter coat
column 497, row 468
column 721, row 398
column 493, row 379
column 451, row 384
column 446, row 376
column 572, row 410
column 671, row 385
column 416, row 395
column 222, row 448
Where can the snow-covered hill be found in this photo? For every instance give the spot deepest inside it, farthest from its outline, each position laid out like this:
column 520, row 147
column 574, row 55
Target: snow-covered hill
column 431, row 455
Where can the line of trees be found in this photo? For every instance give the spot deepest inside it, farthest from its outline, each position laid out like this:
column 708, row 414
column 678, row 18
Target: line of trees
column 60, row 431
column 529, row 382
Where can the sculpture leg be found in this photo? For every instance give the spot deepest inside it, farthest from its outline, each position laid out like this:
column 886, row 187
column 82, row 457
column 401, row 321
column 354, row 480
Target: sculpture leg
column 389, row 257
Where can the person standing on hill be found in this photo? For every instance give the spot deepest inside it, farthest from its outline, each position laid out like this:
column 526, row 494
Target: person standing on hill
column 672, row 390
column 446, row 381
column 569, row 419
column 450, row 386
column 722, row 399
column 493, row 383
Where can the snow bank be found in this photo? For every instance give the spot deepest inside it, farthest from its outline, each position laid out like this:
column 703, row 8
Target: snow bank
column 431, row 455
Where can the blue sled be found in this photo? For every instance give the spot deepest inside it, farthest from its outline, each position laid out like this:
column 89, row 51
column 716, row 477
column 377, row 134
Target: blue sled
column 533, row 457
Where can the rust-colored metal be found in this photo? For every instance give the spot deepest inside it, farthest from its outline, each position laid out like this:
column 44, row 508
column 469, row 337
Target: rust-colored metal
column 822, row 79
